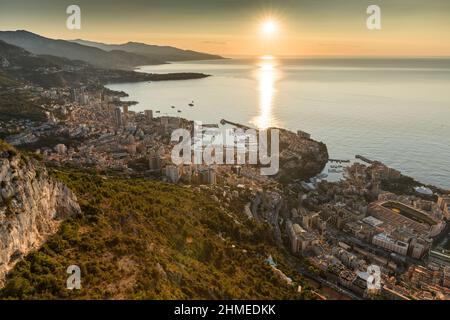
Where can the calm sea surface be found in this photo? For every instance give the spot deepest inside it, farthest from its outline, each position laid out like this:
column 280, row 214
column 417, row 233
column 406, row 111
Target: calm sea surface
column 396, row 111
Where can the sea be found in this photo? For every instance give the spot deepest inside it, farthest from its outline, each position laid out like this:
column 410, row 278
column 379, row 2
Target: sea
column 395, row 110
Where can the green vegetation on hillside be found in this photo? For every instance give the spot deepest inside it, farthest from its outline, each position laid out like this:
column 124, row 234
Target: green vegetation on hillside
column 18, row 106
column 55, row 71
column 5, row 147
column 6, row 81
column 140, row 239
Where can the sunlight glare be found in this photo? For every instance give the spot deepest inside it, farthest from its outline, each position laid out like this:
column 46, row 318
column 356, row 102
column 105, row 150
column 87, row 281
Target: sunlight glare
column 267, row 76
column 269, row 27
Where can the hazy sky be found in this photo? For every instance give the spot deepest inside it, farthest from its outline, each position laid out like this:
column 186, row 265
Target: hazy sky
column 231, row 27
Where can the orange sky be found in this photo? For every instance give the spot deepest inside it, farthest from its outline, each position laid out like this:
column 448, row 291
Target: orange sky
column 231, row 27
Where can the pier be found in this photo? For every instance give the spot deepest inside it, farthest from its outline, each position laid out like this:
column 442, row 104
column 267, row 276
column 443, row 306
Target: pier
column 367, row 160
column 223, row 122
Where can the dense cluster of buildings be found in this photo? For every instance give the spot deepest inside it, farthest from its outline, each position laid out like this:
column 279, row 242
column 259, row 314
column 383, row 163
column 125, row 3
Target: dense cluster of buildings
column 342, row 227
column 93, row 128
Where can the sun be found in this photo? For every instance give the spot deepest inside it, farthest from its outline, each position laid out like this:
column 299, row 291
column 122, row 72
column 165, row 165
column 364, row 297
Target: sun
column 269, row 27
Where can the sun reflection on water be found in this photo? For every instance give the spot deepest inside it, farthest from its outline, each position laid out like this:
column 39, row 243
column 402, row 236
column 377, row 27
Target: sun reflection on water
column 267, row 75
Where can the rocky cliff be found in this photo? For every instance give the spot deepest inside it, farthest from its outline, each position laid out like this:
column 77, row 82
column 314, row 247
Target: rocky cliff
column 31, row 206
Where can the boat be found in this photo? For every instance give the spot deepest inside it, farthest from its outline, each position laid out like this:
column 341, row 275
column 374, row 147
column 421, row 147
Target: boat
column 424, row 190
column 322, row 175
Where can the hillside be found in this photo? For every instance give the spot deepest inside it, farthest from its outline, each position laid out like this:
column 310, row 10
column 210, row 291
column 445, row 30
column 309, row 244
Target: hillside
column 20, row 66
column 152, row 51
column 32, row 206
column 6, row 80
column 18, row 105
column 126, row 56
column 14, row 56
column 139, row 239
column 45, row 46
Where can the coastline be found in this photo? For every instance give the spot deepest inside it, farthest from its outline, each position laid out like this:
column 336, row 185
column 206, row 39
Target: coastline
column 348, row 127
column 410, row 182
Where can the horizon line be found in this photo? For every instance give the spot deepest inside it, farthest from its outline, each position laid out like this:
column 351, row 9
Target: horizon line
column 247, row 55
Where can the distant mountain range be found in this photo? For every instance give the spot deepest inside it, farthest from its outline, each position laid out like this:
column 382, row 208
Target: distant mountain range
column 125, row 56
column 151, row 51
column 18, row 66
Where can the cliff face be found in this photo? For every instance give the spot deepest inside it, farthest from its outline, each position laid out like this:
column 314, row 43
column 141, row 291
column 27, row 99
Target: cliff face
column 31, row 207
